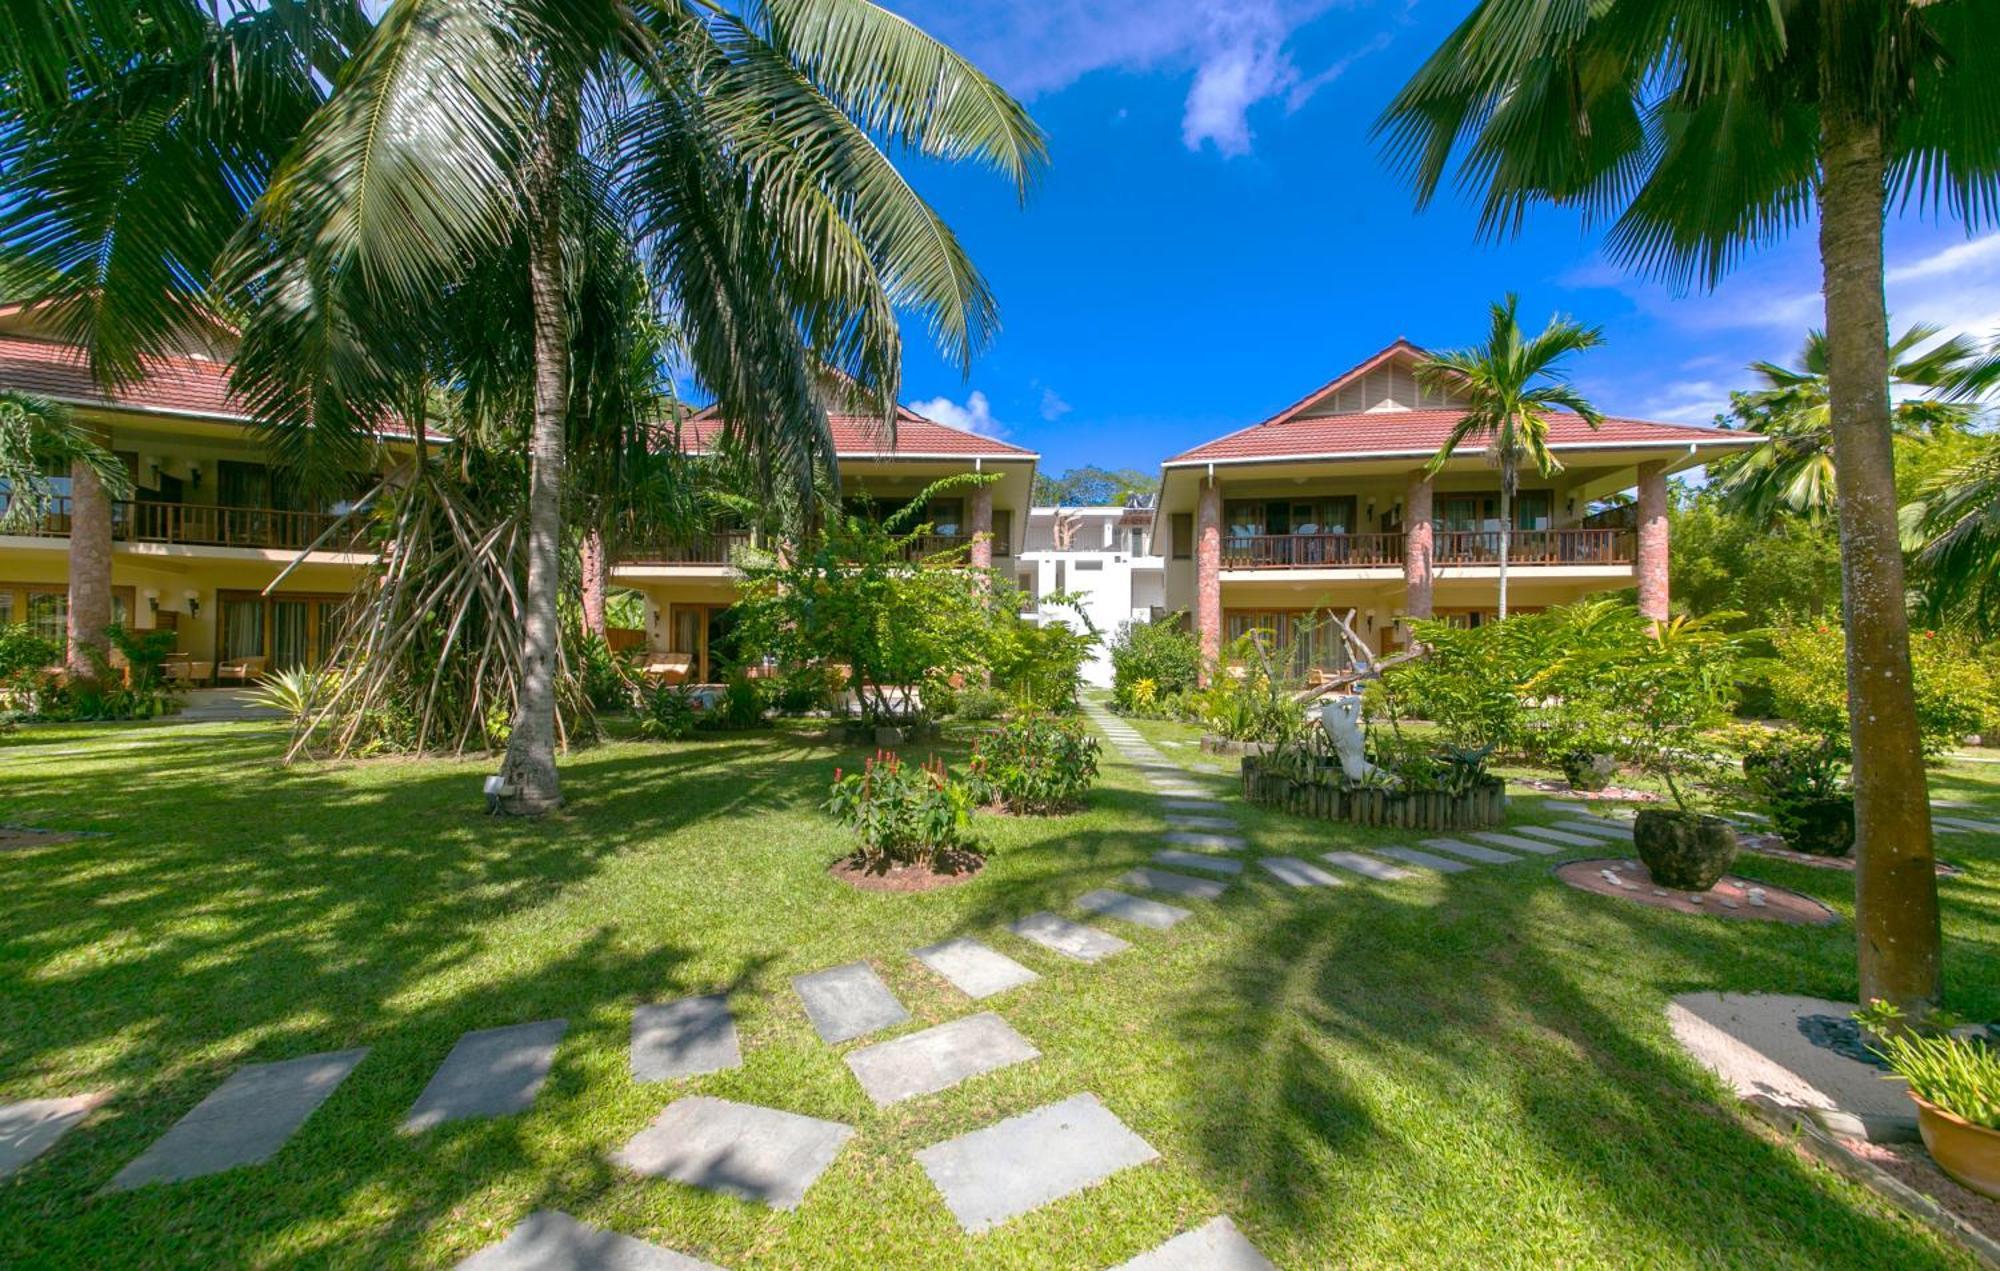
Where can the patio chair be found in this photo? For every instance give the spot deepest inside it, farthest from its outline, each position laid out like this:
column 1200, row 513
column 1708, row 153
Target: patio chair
column 242, row 670
column 667, row 668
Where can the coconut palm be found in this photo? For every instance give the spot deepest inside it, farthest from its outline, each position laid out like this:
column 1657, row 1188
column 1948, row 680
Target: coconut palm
column 747, row 160
column 1702, row 131
column 1509, row 386
column 1792, row 472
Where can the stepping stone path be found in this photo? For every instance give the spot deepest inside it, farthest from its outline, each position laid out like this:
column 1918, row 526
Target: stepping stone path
column 1533, row 846
column 1470, row 851
column 494, row 1072
column 1210, row 842
column 1597, row 826
column 1588, row 809
column 1968, row 823
column 1072, row 940
column 938, row 1058
column 1563, row 837
column 1290, row 869
column 1366, row 866
column 1425, row 860
column 244, row 1120
column 973, row 969
column 1175, row 884
column 1191, row 805
column 1216, row 1245
column 1200, row 822
column 1196, row 860
column 846, row 1002
column 31, row 1127
column 549, row 1240
column 1133, row 909
column 1025, row 1162
column 737, row 1149
column 683, row 1039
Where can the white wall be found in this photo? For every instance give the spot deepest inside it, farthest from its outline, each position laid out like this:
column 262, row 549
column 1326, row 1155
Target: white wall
column 1110, row 584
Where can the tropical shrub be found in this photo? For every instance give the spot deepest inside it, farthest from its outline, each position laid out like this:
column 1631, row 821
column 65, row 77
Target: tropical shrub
column 1035, row 765
column 802, row 689
column 1468, row 683
column 296, row 694
column 26, row 663
column 1669, row 685
column 1796, row 778
column 977, row 702
column 740, row 706
column 1163, row 656
column 599, row 672
column 666, row 711
column 1808, row 681
column 1959, row 1074
column 902, row 815
column 1041, row 665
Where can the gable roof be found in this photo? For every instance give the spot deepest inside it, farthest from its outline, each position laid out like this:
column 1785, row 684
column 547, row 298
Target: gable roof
column 864, row 437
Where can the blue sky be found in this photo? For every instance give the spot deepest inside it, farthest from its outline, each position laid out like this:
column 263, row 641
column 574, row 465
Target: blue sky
column 1216, row 235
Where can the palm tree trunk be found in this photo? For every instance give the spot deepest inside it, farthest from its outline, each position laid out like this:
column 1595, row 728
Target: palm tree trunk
column 1506, row 531
column 1896, row 904
column 596, row 583
column 89, row 574
column 530, row 766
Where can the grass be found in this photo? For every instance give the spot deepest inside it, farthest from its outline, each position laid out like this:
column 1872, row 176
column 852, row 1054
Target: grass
column 1471, row 1069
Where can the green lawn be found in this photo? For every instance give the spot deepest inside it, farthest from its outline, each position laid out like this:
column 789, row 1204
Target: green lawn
column 1468, row 1070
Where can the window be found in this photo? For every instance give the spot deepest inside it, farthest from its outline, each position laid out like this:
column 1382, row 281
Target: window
column 1135, row 541
column 1183, row 535
column 48, row 615
column 1003, row 532
column 1533, row 510
column 6, row 607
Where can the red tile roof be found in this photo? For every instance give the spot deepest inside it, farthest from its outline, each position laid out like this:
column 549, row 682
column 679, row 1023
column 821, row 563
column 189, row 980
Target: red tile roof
column 187, row 385
column 864, row 437
column 1400, row 432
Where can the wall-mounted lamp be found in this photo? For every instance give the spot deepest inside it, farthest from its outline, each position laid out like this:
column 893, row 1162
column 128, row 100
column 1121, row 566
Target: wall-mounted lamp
column 194, row 475
column 1572, row 506
column 152, row 602
column 193, row 599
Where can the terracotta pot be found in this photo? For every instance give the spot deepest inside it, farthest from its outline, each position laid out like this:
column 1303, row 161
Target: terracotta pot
column 1687, row 851
column 1969, row 1153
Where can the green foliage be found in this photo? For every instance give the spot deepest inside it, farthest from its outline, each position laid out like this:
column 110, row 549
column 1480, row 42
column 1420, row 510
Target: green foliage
column 1040, row 664
column 902, row 815
column 1959, row 1074
column 1035, row 765
column 1092, row 487
column 741, row 705
column 1468, row 683
column 977, row 702
column 599, row 673
column 297, row 694
column 1668, row 684
column 1789, row 775
column 667, row 711
column 1163, row 656
column 1955, row 691
column 27, row 665
column 1722, row 558
column 38, row 436
column 800, row 690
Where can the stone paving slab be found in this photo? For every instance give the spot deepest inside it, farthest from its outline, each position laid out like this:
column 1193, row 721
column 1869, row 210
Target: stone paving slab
column 1216, row 1245
column 550, row 1240
column 738, row 1149
column 1133, row 909
column 1366, row 866
column 1424, row 860
column 845, row 1002
column 1597, row 826
column 1198, row 860
column 1191, row 805
column 1025, row 1162
column 1071, row 939
column 684, row 1039
column 1179, row 791
column 1615, row 807
column 494, row 1072
column 1969, row 823
column 1564, row 837
column 31, row 1127
column 1181, row 821
column 1290, row 869
column 938, row 1058
column 974, row 969
column 1534, row 847
column 1174, row 884
column 1209, row 842
column 1470, row 851
column 243, row 1121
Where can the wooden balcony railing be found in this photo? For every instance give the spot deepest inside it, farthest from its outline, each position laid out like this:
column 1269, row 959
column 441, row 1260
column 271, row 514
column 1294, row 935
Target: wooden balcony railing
column 1449, row 547
column 708, row 549
column 202, row 525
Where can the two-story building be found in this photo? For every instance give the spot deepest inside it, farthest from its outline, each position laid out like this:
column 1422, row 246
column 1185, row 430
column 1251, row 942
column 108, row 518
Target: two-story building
column 690, row 586
column 1329, row 506
column 1104, row 561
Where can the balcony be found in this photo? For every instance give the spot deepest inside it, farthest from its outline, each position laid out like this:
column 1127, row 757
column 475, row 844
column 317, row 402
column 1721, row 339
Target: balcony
column 204, row 525
column 1449, row 547
column 708, row 549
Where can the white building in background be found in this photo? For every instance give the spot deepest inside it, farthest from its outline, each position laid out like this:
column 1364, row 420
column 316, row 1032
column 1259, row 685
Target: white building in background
column 1104, row 558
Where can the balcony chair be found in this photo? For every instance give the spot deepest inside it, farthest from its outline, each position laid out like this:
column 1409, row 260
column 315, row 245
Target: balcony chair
column 242, row 670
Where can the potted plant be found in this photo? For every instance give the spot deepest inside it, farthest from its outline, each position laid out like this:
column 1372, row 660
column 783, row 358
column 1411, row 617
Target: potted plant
column 1797, row 780
column 1955, row 1083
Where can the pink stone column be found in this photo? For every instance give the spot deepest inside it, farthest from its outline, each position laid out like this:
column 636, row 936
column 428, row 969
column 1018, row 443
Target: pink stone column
column 1208, row 576
column 1650, row 569
column 89, row 572
column 982, row 527
column 1418, row 542
column 596, row 577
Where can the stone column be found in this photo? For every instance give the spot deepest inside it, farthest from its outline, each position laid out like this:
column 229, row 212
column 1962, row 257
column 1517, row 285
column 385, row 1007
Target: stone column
column 1418, row 542
column 1208, row 576
column 1650, row 566
column 980, row 524
column 89, row 572
column 596, row 578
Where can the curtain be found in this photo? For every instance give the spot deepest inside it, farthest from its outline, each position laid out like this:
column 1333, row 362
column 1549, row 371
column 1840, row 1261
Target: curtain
column 291, row 634
column 242, row 629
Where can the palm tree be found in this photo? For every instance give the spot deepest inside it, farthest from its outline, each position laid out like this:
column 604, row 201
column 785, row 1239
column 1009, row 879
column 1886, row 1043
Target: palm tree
column 745, row 156
column 1509, row 386
column 1792, row 472
column 1703, row 131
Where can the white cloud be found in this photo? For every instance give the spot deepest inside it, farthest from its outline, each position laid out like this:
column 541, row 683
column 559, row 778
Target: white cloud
column 1053, row 406
column 976, row 416
column 1687, row 402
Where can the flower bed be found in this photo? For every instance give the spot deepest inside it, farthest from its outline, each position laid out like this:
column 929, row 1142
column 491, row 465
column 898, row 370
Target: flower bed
column 1328, row 797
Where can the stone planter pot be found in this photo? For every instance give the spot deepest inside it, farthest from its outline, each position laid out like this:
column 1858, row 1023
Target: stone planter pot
column 1823, row 827
column 1969, row 1153
column 1687, row 851
column 1589, row 772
